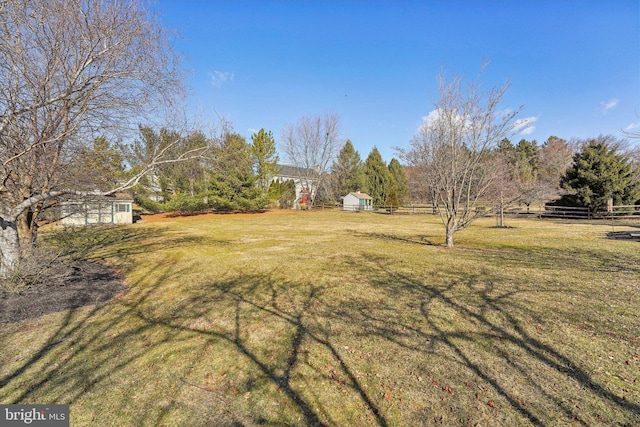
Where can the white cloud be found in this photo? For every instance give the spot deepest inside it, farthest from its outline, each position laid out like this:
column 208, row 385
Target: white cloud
column 608, row 105
column 218, row 78
column 524, row 126
column 632, row 127
column 528, row 130
column 430, row 118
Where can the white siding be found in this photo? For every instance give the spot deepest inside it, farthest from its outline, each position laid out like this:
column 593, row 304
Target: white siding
column 351, row 202
column 97, row 212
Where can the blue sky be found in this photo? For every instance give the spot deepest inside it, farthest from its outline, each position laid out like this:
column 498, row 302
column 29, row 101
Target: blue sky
column 574, row 65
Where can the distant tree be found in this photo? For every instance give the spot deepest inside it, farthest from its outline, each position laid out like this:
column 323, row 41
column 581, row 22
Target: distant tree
column 526, row 156
column 600, row 172
column 526, row 171
column 392, row 202
column 97, row 167
column 232, row 182
column 399, row 183
column 282, row 194
column 453, row 149
column 378, row 179
column 506, row 148
column 553, row 161
column 265, row 157
column 347, row 172
column 311, row 146
column 171, row 178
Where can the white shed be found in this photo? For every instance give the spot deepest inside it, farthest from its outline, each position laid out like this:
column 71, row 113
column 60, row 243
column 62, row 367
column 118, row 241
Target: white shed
column 357, row 202
column 116, row 209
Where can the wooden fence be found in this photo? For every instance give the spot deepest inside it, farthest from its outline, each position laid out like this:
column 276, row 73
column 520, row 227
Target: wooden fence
column 631, row 212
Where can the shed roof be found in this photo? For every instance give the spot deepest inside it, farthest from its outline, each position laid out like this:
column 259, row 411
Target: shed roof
column 362, row 196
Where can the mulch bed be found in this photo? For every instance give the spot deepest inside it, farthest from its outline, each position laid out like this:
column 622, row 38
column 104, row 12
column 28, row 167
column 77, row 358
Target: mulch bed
column 87, row 283
column 624, row 235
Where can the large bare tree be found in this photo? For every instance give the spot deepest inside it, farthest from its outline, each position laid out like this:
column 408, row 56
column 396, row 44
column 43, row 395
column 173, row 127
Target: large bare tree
column 71, row 70
column 311, row 146
column 451, row 151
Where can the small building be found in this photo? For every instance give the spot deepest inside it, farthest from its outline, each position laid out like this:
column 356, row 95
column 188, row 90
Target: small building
column 357, row 202
column 97, row 210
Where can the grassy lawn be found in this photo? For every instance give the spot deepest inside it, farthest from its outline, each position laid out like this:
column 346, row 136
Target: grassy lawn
column 297, row 318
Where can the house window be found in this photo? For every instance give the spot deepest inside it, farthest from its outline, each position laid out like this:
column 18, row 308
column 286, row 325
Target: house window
column 122, row 207
column 71, row 208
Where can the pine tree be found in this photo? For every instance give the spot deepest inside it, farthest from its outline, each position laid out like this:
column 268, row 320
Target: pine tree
column 265, row 157
column 598, row 173
column 233, row 182
column 399, row 182
column 377, row 177
column 347, row 172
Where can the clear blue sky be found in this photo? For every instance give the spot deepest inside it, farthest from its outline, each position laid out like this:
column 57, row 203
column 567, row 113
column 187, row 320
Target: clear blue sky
column 574, row 65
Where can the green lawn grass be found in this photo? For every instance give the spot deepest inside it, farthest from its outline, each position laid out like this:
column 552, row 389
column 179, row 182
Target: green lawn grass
column 311, row 318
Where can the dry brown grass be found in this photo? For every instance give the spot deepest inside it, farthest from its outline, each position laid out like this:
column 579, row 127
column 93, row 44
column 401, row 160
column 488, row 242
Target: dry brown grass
column 301, row 318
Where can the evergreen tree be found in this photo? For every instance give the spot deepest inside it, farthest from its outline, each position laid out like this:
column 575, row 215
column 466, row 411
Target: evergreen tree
column 265, row 157
column 97, row 167
column 506, row 148
column 233, row 182
column 399, row 182
column 282, row 194
column 600, row 172
column 526, row 156
column 377, row 177
column 347, row 172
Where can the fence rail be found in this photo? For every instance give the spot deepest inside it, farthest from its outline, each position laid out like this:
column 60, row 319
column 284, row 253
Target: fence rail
column 538, row 211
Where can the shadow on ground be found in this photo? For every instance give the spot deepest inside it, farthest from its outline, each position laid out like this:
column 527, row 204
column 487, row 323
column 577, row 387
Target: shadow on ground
column 257, row 348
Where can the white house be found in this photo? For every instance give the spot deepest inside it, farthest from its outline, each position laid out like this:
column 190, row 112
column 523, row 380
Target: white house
column 357, row 202
column 304, row 179
column 115, row 209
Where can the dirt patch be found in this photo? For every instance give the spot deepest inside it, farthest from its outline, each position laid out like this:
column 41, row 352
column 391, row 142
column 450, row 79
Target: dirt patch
column 178, row 215
column 87, row 283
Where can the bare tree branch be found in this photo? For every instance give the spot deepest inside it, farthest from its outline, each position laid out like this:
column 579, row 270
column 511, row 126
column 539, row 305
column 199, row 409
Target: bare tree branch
column 451, row 151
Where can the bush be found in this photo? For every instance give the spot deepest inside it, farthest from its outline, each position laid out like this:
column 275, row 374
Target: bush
column 187, row 203
column 149, row 205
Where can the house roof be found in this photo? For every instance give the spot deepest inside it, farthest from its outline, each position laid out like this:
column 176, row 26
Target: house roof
column 361, row 196
column 120, row 197
column 294, row 171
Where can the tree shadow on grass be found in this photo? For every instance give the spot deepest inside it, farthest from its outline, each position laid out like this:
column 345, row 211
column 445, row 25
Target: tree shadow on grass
column 418, row 239
column 264, row 296
column 216, row 351
column 96, row 349
column 492, row 334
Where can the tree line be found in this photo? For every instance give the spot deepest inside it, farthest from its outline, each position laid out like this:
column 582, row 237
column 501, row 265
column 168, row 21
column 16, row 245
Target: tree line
column 239, row 176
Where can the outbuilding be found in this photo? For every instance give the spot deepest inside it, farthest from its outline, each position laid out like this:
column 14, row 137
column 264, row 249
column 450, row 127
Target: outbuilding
column 357, row 201
column 96, row 210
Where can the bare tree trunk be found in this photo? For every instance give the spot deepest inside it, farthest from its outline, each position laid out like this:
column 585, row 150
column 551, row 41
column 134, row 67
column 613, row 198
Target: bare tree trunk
column 9, row 247
column 26, row 232
column 501, row 210
column 449, row 237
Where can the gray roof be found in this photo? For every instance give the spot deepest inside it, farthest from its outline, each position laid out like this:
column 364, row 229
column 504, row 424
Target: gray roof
column 294, row 171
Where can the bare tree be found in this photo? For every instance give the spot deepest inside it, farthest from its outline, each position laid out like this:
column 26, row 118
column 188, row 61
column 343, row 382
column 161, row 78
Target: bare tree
column 311, row 146
column 452, row 149
column 69, row 71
